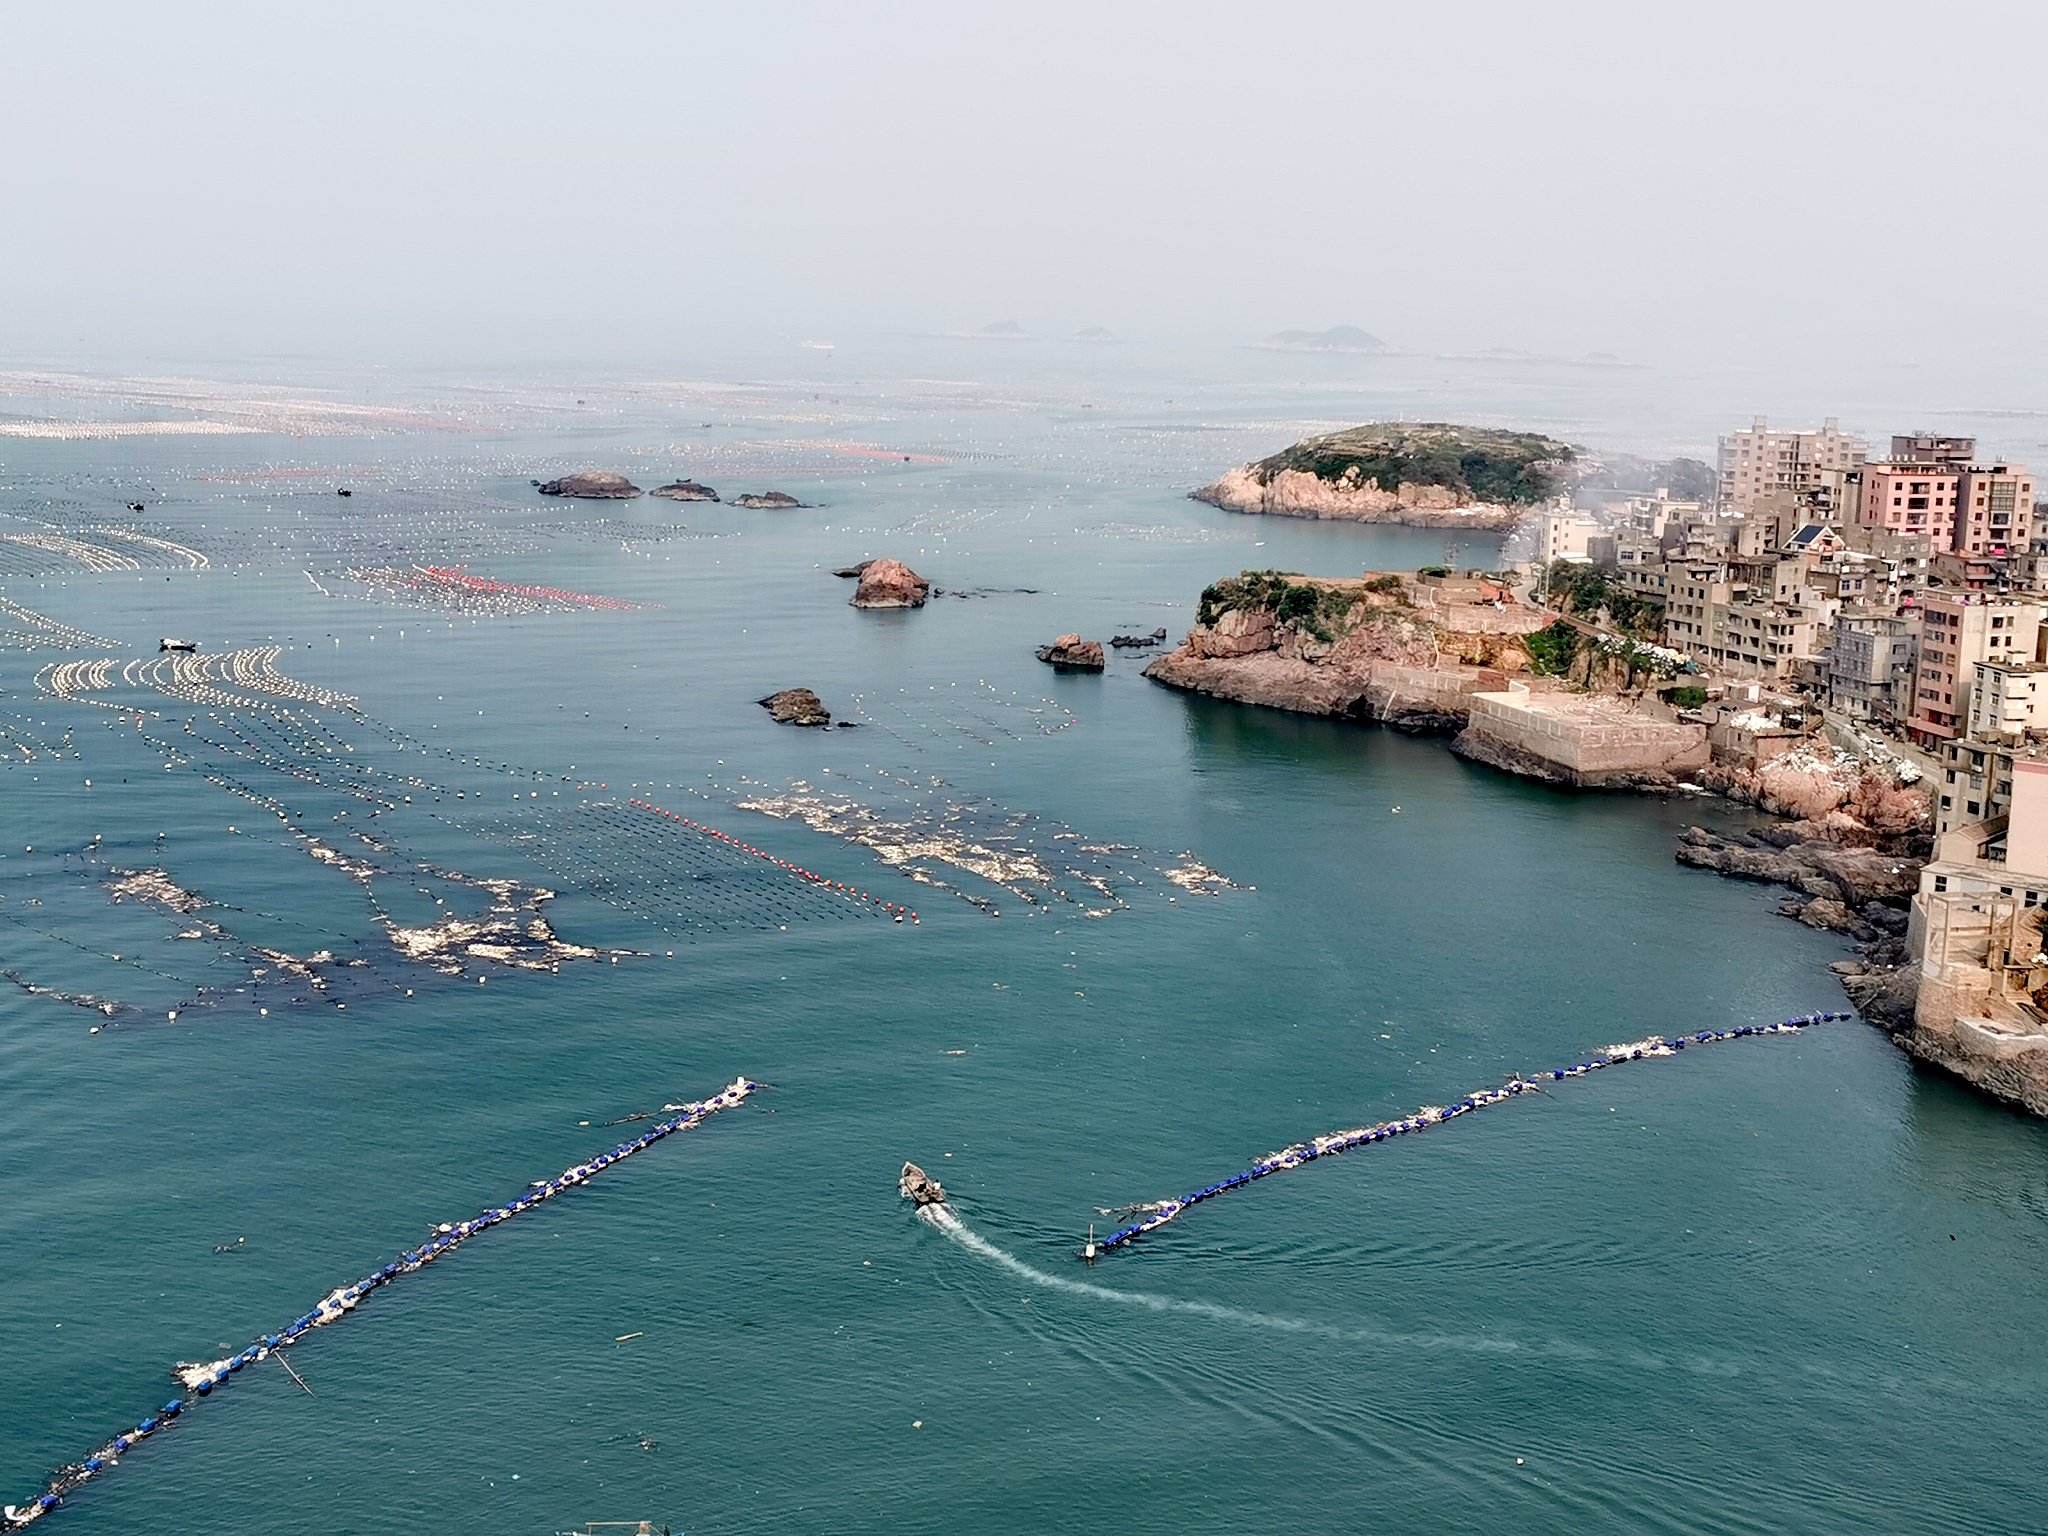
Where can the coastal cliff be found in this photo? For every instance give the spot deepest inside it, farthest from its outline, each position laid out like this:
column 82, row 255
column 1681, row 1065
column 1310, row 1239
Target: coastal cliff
column 1423, row 474
column 1387, row 648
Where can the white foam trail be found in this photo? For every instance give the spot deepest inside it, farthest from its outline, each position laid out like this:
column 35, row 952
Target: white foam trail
column 944, row 1219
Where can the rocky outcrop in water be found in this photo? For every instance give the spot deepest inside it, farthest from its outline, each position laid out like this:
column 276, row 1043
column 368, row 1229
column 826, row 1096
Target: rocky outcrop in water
column 888, row 583
column 592, row 485
column 767, row 501
column 685, row 490
column 1863, row 892
column 1070, row 653
column 1382, row 648
column 1850, row 877
column 796, row 706
column 1423, row 474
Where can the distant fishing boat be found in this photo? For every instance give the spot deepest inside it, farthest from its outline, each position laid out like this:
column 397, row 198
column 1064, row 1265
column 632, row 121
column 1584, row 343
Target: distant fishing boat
column 168, row 644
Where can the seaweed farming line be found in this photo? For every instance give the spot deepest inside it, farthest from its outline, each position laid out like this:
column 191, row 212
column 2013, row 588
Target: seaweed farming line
column 899, row 913
column 1303, row 1152
column 192, row 679
column 453, row 587
column 41, row 629
column 203, row 1380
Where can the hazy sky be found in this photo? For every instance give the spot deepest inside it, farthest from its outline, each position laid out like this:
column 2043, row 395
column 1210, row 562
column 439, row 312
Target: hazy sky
column 1661, row 181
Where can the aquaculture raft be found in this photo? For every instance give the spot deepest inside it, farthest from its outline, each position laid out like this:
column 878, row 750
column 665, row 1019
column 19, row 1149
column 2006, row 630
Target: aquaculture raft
column 898, row 912
column 1303, row 1152
column 203, row 1380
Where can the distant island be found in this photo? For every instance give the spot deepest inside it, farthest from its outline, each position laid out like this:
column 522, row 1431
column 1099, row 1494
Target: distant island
column 1424, row 474
column 1338, row 338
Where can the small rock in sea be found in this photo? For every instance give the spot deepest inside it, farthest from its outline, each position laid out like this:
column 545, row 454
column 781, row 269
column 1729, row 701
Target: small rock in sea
column 768, row 501
column 1137, row 642
column 685, row 490
column 1070, row 653
column 890, row 584
column 796, row 706
column 592, row 485
column 853, row 570
column 342, row 490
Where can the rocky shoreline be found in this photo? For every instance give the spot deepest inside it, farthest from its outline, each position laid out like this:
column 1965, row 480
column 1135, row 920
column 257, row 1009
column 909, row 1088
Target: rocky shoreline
column 1420, row 474
column 1297, row 493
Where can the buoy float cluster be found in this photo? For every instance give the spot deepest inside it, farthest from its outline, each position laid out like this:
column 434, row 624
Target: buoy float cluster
column 203, row 1380
column 895, row 911
column 1337, row 1141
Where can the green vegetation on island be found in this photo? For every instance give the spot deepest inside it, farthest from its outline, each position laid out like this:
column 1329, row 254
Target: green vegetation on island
column 1479, row 463
column 1597, row 595
column 1319, row 608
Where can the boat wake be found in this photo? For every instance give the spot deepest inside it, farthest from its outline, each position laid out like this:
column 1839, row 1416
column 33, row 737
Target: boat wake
column 942, row 1217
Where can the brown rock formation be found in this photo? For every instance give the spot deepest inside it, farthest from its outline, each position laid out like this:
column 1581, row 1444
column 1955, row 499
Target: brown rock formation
column 685, row 490
column 592, row 485
column 1070, row 653
column 1297, row 493
column 766, row 501
column 796, row 706
column 890, row 584
column 1389, row 649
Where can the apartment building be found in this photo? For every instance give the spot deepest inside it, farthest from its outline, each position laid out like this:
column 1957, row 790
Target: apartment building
column 1737, row 626
column 1994, row 509
column 1958, row 630
column 1871, row 666
column 1563, row 535
column 2008, row 699
column 1977, row 779
column 1813, row 467
column 1933, row 486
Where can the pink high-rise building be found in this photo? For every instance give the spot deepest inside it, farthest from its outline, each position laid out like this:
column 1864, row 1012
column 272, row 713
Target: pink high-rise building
column 1930, row 487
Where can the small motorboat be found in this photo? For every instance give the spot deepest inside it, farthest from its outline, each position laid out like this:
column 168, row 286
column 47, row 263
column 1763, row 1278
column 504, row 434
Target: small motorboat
column 920, row 1186
column 169, row 644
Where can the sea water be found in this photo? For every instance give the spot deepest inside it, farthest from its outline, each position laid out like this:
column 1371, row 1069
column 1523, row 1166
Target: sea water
column 1790, row 1283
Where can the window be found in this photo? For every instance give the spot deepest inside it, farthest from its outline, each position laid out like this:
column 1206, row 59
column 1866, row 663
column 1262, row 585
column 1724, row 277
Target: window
column 1941, row 882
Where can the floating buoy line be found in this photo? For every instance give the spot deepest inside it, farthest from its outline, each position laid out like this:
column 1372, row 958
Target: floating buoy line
column 1304, row 1152
column 899, row 913
column 204, row 1380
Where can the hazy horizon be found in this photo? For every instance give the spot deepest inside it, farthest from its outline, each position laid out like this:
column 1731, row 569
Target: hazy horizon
column 1748, row 193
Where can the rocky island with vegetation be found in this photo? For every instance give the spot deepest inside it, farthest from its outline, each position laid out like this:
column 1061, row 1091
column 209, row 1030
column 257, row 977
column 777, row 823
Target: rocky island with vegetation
column 1423, row 474
column 1402, row 650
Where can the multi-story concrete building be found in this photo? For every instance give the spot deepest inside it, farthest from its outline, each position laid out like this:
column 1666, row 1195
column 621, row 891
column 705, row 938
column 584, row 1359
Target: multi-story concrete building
column 1994, row 509
column 2008, row 699
column 1871, row 666
column 1932, row 485
column 1933, row 448
column 1958, row 630
column 1562, row 535
column 1977, row 778
column 1911, row 498
column 1976, row 933
column 1738, row 625
column 1811, row 466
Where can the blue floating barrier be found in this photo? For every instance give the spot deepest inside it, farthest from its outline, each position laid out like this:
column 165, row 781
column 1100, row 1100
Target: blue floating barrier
column 173, row 1408
column 93, row 1464
column 203, row 1388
